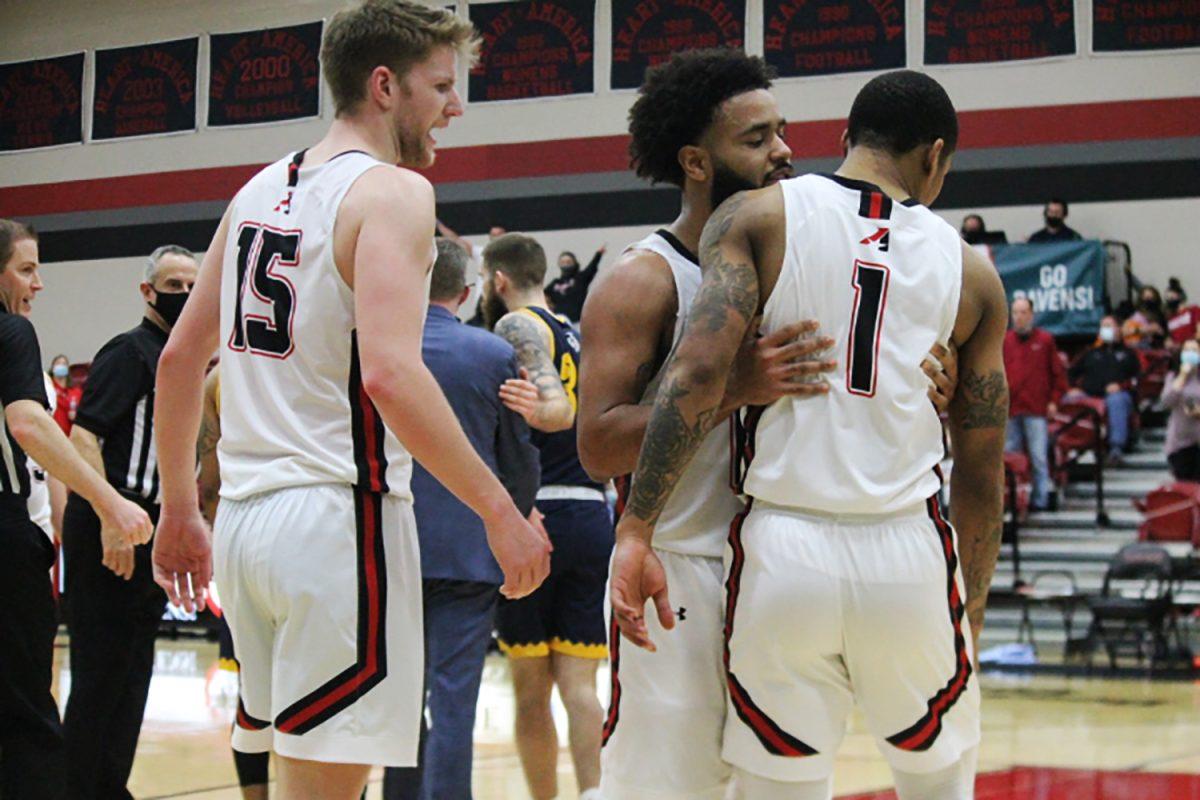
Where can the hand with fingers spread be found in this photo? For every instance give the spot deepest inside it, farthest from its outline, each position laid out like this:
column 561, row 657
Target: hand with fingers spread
column 123, row 525
column 183, row 558
column 941, row 367
column 637, row 576
column 520, row 395
column 522, row 549
column 783, row 363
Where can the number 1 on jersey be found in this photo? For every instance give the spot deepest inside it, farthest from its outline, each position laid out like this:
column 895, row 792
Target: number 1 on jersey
column 261, row 249
column 870, row 283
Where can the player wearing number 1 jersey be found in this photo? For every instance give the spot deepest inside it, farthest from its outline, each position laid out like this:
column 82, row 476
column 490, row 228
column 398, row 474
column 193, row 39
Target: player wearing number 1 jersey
column 315, row 289
column 844, row 580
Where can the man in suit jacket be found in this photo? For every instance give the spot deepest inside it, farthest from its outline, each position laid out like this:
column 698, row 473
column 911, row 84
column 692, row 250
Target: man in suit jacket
column 460, row 575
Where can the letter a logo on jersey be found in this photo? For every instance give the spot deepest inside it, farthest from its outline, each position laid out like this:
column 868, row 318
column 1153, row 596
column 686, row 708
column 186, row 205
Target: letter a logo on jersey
column 879, row 237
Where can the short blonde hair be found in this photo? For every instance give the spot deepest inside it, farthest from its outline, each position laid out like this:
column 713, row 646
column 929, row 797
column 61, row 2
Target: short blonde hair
column 386, row 33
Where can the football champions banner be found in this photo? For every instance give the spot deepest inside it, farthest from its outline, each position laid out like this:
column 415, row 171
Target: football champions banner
column 1063, row 280
column 1142, row 25
column 824, row 37
column 534, row 48
column 649, row 32
column 264, row 76
column 982, row 31
column 145, row 90
column 41, row 103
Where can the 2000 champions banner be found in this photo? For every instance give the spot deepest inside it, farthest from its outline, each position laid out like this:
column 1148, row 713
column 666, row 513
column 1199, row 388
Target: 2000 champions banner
column 1064, row 281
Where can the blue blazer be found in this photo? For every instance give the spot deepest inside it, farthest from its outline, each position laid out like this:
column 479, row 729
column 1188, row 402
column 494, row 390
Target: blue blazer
column 470, row 365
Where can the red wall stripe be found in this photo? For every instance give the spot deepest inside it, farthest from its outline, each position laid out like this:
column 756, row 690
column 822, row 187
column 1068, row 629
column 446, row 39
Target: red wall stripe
column 1009, row 127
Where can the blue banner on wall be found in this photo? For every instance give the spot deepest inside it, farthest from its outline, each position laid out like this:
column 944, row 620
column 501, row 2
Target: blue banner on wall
column 1136, row 25
column 264, row 76
column 1063, row 280
column 824, row 37
column 537, row 48
column 144, row 90
column 41, row 103
column 982, row 31
column 649, row 32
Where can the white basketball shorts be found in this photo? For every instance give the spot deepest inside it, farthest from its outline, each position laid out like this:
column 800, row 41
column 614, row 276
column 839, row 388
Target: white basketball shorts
column 822, row 613
column 321, row 586
column 662, row 735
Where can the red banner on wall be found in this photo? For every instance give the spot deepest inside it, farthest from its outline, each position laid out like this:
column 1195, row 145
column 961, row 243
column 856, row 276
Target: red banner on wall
column 41, row 103
column 822, row 37
column 264, row 76
column 648, row 32
column 539, row 48
column 981, row 31
column 146, row 89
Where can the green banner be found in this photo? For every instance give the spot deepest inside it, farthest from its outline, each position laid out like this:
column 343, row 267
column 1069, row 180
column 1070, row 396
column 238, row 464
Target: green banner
column 1063, row 280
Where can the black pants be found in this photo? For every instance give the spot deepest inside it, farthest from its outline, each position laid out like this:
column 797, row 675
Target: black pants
column 1185, row 463
column 32, row 757
column 113, row 623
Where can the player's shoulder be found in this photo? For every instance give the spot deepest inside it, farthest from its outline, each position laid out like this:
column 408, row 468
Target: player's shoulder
column 389, row 182
column 640, row 281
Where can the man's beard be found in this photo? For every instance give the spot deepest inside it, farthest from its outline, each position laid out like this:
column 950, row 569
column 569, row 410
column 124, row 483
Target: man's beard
column 414, row 149
column 493, row 309
column 727, row 183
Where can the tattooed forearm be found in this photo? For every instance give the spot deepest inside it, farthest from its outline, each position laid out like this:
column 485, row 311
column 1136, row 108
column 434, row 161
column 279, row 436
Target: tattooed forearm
column 733, row 285
column 984, row 399
column 555, row 410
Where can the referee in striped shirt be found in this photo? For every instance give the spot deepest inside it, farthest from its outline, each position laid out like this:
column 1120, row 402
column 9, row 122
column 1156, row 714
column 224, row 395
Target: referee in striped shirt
column 113, row 605
column 31, row 740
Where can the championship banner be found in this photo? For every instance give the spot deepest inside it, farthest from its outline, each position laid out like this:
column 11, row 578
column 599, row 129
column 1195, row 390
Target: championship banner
column 539, row 48
column 145, row 90
column 262, row 76
column 41, row 103
column 1143, row 25
column 982, row 31
column 649, row 32
column 824, row 37
column 1063, row 280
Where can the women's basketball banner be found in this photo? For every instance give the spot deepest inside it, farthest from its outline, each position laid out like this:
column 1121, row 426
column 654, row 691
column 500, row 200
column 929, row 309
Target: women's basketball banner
column 1138, row 25
column 264, row 76
column 145, row 90
column 982, row 31
column 823, row 37
column 41, row 103
column 533, row 49
column 648, row 32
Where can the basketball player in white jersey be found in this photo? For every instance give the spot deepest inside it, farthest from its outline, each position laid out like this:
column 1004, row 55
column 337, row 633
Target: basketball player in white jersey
column 706, row 122
column 315, row 289
column 844, row 582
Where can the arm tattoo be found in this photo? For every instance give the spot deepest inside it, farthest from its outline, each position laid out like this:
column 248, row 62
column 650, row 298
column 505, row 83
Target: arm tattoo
column 528, row 339
column 688, row 402
column 210, row 434
column 984, row 398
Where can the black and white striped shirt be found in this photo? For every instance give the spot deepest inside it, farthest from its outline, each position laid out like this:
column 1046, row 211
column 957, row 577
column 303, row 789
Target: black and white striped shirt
column 118, row 408
column 20, row 379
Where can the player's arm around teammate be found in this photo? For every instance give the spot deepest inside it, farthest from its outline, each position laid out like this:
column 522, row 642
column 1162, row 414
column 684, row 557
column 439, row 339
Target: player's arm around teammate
column 978, row 417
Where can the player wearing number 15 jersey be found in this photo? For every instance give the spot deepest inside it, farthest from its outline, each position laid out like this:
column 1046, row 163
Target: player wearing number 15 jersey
column 314, row 292
column 844, row 580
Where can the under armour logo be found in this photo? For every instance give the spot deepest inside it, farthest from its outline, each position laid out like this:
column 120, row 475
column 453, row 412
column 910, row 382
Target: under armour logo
column 881, row 237
column 681, row 612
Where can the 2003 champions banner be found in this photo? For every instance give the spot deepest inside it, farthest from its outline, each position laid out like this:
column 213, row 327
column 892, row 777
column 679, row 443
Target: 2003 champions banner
column 1064, row 281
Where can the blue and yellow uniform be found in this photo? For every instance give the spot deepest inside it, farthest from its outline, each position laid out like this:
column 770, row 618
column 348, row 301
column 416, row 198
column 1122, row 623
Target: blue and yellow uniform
column 566, row 614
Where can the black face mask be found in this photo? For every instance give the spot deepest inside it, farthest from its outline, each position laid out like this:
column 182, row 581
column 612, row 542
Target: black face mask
column 972, row 237
column 1054, row 223
column 170, row 306
column 568, row 270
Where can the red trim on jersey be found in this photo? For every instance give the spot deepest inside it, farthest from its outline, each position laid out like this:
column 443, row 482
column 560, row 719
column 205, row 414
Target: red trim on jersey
column 247, row 722
column 876, row 205
column 614, row 703
column 924, row 732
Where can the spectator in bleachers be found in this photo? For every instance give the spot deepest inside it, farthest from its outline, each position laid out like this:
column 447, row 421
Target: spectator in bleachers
column 1183, row 319
column 567, row 292
column 1150, row 316
column 1108, row 371
column 1055, row 229
column 66, row 395
column 973, row 229
column 1036, row 382
column 1181, row 394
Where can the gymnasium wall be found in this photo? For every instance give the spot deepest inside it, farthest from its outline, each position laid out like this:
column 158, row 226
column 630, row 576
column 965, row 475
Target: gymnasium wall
column 1119, row 136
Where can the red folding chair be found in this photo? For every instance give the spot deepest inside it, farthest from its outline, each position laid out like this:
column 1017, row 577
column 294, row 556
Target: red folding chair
column 1080, row 426
column 1171, row 513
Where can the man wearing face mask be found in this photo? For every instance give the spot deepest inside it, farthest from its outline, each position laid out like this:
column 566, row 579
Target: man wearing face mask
column 113, row 604
column 1056, row 229
column 1036, row 381
column 1109, row 371
column 567, row 292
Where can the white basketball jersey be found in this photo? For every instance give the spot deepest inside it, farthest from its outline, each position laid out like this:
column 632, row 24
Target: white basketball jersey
column 696, row 518
column 293, row 409
column 883, row 278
